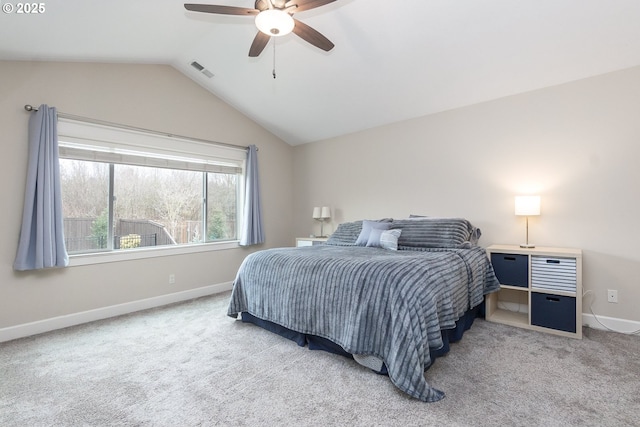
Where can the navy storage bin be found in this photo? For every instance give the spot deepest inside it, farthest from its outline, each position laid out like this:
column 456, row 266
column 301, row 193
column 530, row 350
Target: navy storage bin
column 511, row 269
column 553, row 311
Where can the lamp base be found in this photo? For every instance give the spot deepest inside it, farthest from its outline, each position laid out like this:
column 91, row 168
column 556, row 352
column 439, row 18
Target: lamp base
column 527, row 245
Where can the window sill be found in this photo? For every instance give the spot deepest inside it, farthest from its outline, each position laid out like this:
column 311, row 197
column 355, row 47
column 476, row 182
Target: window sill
column 134, row 254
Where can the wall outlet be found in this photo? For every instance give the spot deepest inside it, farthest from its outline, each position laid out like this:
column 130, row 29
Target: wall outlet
column 612, row 295
column 172, row 279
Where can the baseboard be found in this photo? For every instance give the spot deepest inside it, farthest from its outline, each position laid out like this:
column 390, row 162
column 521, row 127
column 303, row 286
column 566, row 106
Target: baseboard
column 27, row 329
column 614, row 324
column 46, row 325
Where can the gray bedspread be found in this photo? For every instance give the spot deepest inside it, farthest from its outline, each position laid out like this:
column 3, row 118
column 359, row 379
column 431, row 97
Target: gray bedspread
column 370, row 301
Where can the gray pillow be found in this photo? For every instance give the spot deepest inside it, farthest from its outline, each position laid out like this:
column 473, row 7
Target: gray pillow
column 346, row 234
column 367, row 228
column 433, row 232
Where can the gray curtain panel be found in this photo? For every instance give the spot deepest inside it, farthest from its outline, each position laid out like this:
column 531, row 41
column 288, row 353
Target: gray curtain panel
column 41, row 242
column 252, row 231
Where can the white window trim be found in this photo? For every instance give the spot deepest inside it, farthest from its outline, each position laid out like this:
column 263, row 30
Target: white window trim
column 76, row 260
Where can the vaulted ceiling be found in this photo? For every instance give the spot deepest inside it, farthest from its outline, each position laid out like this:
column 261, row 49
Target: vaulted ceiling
column 392, row 60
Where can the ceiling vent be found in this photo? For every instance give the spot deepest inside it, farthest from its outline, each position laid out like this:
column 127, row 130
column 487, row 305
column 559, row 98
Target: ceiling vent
column 199, row 67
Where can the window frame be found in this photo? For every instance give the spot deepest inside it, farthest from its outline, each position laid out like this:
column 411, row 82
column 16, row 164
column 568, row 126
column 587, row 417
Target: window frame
column 114, row 144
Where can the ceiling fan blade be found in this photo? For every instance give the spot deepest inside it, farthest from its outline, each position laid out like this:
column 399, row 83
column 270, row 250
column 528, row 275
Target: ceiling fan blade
column 312, row 36
column 223, row 10
column 259, row 43
column 303, row 5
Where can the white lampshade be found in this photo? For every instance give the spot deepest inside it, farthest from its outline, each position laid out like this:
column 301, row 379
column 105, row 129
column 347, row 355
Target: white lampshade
column 326, row 212
column 274, row 22
column 316, row 212
column 527, row 205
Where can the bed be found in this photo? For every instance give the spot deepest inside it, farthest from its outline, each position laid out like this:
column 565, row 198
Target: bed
column 389, row 293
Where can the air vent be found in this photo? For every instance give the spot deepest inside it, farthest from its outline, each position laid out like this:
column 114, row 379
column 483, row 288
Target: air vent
column 197, row 66
column 201, row 68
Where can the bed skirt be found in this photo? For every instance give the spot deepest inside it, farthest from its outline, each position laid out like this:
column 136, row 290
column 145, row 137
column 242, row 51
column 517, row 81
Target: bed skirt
column 319, row 343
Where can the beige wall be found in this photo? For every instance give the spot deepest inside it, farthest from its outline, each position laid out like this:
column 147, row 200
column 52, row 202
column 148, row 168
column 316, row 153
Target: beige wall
column 147, row 96
column 577, row 145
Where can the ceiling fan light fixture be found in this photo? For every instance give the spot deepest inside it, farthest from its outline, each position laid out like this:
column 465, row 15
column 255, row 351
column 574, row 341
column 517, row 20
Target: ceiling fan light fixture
column 274, row 22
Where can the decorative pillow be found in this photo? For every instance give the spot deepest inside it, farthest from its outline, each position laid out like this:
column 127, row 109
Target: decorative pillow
column 367, row 228
column 386, row 239
column 433, row 232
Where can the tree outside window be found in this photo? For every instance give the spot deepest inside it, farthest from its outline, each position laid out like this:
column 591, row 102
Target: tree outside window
column 151, row 206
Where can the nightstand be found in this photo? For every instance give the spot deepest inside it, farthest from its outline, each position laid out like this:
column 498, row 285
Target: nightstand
column 540, row 289
column 310, row 241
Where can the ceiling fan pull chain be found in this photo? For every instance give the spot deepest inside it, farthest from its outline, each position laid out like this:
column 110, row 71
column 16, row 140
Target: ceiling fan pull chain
column 274, row 57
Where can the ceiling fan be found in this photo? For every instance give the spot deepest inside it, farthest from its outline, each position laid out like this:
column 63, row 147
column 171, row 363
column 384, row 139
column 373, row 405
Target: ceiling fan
column 274, row 18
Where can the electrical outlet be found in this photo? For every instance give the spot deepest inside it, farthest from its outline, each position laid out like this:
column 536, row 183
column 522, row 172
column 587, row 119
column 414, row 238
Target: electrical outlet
column 612, row 295
column 172, row 279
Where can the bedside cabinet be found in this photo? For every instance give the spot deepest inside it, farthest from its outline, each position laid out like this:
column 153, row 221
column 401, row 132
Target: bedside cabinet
column 310, row 241
column 540, row 289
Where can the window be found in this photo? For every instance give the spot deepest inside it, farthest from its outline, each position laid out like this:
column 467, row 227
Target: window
column 124, row 189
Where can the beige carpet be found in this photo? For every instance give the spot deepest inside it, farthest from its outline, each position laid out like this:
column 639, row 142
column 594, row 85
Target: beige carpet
column 190, row 365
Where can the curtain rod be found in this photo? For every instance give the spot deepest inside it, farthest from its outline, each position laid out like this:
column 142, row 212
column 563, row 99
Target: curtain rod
column 31, row 108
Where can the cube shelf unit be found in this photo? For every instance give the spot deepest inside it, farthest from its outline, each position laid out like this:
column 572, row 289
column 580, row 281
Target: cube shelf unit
column 540, row 289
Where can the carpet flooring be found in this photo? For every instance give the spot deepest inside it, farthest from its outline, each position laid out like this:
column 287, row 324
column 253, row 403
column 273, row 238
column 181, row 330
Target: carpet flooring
column 189, row 364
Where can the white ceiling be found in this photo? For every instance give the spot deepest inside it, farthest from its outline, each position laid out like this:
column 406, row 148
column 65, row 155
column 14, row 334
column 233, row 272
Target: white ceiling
column 393, row 60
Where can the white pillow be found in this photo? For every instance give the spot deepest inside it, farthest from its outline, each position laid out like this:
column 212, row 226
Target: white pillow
column 386, row 239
